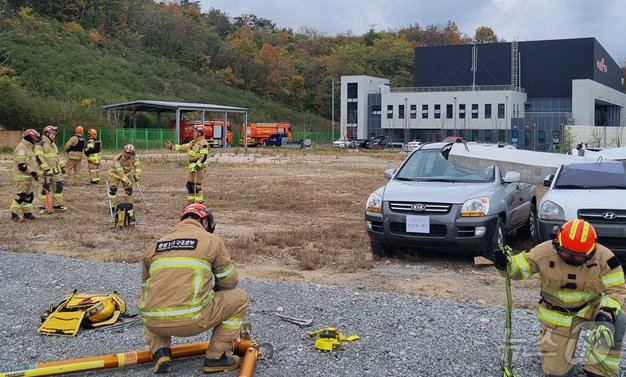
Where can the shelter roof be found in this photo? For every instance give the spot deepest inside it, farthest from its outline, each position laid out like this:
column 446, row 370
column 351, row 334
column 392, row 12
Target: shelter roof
column 171, row 106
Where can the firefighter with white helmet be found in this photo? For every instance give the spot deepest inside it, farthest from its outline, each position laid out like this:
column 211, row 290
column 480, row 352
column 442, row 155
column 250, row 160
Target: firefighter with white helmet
column 51, row 167
column 198, row 152
column 126, row 165
column 74, row 149
column 24, row 172
column 582, row 286
column 190, row 268
column 92, row 151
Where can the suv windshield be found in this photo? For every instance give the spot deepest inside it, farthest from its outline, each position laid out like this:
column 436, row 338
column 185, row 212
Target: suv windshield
column 431, row 165
column 604, row 175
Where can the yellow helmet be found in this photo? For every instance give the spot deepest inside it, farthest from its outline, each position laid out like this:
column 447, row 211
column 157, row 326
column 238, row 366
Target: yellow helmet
column 101, row 311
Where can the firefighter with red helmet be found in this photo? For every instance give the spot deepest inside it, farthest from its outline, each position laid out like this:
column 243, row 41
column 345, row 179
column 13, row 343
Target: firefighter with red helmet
column 582, row 286
column 126, row 168
column 198, row 152
column 74, row 149
column 92, row 151
column 52, row 168
column 24, row 172
column 189, row 286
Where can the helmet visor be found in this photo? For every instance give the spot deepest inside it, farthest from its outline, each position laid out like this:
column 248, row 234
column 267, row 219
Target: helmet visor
column 572, row 257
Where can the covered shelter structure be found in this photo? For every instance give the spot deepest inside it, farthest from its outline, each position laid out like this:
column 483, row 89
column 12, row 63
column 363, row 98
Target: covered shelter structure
column 179, row 108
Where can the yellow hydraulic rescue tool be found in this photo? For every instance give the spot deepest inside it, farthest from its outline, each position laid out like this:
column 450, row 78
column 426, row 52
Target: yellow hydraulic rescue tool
column 328, row 339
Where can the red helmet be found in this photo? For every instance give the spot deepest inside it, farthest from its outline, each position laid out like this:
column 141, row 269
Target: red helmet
column 50, row 129
column 199, row 128
column 202, row 212
column 79, row 129
column 92, row 132
column 129, row 150
column 31, row 135
column 576, row 242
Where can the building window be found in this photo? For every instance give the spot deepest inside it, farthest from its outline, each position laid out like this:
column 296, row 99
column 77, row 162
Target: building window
column 449, row 111
column 400, row 111
column 500, row 111
column 413, row 111
column 541, row 137
column 375, row 110
column 487, row 111
column 437, row 111
column 474, row 135
column 461, row 111
column 487, row 136
column 474, row 111
column 425, row 111
column 389, row 111
column 353, row 90
column 352, row 113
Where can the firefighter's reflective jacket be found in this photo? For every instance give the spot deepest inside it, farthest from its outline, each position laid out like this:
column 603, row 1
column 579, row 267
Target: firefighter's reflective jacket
column 568, row 291
column 197, row 150
column 74, row 147
column 23, row 159
column 47, row 156
column 92, row 150
column 122, row 167
column 180, row 274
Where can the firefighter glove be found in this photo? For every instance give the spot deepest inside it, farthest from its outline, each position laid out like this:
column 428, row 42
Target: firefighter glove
column 193, row 167
column 500, row 259
column 136, row 177
column 199, row 163
column 62, row 170
column 169, row 145
column 602, row 335
column 34, row 174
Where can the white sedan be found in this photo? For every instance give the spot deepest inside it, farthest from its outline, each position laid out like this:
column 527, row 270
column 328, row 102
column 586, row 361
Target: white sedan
column 343, row 143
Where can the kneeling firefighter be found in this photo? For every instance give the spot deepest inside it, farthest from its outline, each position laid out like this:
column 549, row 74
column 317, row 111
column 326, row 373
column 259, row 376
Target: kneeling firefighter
column 189, row 286
column 125, row 164
column 582, row 286
column 198, row 152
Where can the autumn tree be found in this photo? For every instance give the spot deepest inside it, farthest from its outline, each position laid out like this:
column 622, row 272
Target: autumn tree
column 485, row 34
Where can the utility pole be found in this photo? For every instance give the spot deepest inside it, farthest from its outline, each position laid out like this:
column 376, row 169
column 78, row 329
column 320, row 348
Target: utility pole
column 406, row 122
column 332, row 111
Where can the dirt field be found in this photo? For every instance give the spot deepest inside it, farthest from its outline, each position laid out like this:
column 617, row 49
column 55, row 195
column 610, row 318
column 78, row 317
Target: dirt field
column 284, row 215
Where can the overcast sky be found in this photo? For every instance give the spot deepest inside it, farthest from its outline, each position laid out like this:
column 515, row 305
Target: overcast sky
column 522, row 19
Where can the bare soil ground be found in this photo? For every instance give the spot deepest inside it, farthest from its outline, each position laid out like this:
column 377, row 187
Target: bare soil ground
column 284, row 215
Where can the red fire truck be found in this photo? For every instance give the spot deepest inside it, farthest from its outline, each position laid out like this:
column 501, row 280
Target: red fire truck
column 258, row 133
column 213, row 132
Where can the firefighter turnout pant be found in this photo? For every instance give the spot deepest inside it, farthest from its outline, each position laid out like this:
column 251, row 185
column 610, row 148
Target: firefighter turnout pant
column 53, row 185
column 72, row 168
column 194, row 185
column 224, row 315
column 24, row 196
column 558, row 348
column 94, row 171
column 114, row 182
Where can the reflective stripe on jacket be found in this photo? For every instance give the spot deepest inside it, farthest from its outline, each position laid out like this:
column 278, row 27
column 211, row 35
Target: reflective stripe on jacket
column 47, row 155
column 122, row 167
column 197, row 149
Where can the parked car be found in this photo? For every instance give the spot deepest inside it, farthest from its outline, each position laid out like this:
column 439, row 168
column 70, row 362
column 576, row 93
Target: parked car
column 343, row 143
column 593, row 191
column 377, row 142
column 429, row 203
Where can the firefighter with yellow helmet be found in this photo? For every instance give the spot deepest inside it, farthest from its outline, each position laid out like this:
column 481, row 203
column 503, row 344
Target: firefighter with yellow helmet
column 198, row 152
column 24, row 172
column 92, row 151
column 189, row 286
column 51, row 167
column 582, row 286
column 125, row 165
column 74, row 149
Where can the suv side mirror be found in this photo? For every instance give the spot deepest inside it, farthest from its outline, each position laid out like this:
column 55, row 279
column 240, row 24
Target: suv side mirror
column 389, row 173
column 547, row 181
column 512, row 176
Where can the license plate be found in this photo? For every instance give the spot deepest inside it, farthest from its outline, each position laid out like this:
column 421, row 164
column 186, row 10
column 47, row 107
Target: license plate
column 417, row 224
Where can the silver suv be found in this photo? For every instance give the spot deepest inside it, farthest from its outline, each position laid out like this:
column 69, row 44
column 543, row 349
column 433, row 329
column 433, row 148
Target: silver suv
column 431, row 204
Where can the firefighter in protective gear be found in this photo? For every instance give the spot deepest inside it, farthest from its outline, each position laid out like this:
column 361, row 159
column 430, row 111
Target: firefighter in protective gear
column 582, row 286
column 189, row 286
column 198, row 152
column 126, row 168
column 24, row 172
column 51, row 167
column 92, row 151
column 74, row 149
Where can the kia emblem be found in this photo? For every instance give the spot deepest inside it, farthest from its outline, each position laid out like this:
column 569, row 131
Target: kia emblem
column 418, row 207
column 609, row 215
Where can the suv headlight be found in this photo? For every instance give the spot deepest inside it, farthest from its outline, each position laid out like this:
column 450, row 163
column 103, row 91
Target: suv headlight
column 475, row 207
column 374, row 203
column 549, row 210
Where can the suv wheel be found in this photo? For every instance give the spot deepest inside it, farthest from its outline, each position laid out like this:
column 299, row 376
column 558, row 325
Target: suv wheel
column 497, row 241
column 530, row 228
column 379, row 250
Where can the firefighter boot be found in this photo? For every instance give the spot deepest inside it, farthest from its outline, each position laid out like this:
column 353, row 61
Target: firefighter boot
column 163, row 360
column 29, row 216
column 15, row 216
column 223, row 364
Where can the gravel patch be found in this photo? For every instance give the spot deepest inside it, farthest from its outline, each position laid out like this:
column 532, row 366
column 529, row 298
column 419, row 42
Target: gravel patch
column 401, row 335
